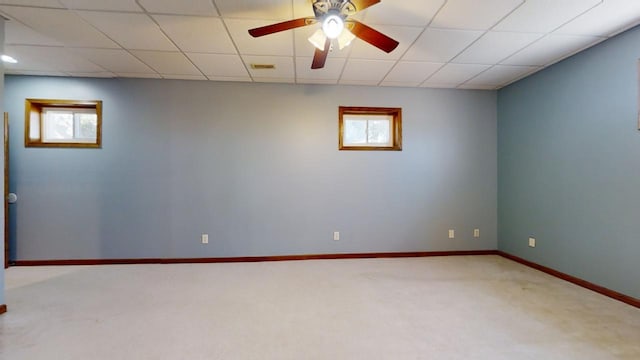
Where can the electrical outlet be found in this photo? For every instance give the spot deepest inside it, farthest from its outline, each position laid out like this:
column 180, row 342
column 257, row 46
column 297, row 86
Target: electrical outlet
column 532, row 242
column 336, row 235
column 452, row 234
column 204, row 238
column 476, row 233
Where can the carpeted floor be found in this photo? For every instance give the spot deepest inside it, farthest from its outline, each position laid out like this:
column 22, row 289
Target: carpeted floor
column 467, row 307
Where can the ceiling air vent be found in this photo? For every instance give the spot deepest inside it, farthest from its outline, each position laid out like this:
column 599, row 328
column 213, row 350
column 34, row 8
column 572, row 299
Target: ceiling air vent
column 262, row 66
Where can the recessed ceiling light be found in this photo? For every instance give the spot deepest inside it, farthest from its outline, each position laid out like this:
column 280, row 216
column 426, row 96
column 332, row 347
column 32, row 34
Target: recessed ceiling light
column 262, row 66
column 8, row 59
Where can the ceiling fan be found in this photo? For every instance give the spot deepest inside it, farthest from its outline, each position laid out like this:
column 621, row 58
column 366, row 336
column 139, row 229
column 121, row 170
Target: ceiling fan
column 334, row 17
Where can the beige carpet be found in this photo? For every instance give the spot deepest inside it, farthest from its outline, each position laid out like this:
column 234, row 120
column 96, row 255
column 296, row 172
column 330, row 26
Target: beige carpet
column 472, row 307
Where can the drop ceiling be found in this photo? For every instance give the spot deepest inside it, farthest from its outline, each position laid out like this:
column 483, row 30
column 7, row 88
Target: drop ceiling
column 468, row 44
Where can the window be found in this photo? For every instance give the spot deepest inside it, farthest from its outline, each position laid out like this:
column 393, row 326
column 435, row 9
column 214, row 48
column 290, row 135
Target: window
column 63, row 123
column 370, row 128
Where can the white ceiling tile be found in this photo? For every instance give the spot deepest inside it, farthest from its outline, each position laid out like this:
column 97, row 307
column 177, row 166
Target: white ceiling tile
column 88, row 40
column 473, row 14
column 111, row 5
column 606, row 19
column 283, row 67
column 219, row 65
column 191, row 7
column 412, row 72
column 438, row 45
column 167, row 62
column 29, row 58
column 257, row 9
column 305, row 48
column 534, row 16
column 230, row 78
column 302, row 8
column 101, row 74
column 501, row 75
column 16, row 33
column 197, row 34
column 38, row 3
column 64, row 26
column 366, row 70
column 184, row 77
column 278, row 44
column 550, row 49
column 114, row 60
column 132, row 31
column 139, row 75
column 403, row 12
column 50, row 59
column 402, row 34
column 495, row 46
column 331, row 70
column 456, row 73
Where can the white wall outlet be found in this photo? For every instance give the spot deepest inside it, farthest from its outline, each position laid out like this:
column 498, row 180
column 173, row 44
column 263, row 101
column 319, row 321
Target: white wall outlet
column 532, row 242
column 452, row 234
column 476, row 233
column 336, row 235
column 204, row 238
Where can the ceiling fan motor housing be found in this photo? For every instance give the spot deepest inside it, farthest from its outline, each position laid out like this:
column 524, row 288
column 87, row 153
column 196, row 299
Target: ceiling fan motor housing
column 343, row 8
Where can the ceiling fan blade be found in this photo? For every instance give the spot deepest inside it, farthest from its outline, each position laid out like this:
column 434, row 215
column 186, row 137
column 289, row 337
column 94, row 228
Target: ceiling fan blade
column 363, row 4
column 373, row 36
column 285, row 25
column 320, row 56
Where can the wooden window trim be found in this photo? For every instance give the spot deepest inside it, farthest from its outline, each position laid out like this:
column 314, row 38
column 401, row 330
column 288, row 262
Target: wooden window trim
column 34, row 107
column 396, row 127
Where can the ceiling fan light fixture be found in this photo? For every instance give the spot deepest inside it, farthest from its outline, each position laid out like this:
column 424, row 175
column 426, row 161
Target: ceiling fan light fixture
column 318, row 39
column 332, row 26
column 333, row 16
column 345, row 38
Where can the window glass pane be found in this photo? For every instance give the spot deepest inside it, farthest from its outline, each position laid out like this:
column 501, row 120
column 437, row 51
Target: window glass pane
column 86, row 126
column 34, row 126
column 379, row 132
column 355, row 131
column 58, row 126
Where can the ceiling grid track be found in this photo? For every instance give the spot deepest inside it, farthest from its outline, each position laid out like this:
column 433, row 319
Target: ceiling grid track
column 463, row 44
column 475, row 41
column 415, row 41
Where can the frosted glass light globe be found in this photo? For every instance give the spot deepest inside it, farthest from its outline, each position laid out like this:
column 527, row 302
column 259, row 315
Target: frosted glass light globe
column 332, row 26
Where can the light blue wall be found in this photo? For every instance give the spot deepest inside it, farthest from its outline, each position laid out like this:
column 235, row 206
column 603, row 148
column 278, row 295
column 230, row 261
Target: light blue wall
column 257, row 167
column 2, row 160
column 569, row 165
